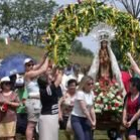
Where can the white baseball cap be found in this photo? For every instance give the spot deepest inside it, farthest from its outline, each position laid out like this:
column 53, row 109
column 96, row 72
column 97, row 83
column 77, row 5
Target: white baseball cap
column 27, row 60
column 5, row 79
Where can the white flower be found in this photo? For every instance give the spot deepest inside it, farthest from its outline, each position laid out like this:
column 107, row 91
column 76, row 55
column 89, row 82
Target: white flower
column 111, row 89
column 99, row 105
column 98, row 110
column 105, row 108
column 97, row 84
column 105, row 100
column 115, row 91
column 114, row 101
column 120, row 110
column 111, row 95
column 98, row 98
column 119, row 98
column 113, row 108
column 117, row 84
column 97, row 90
column 101, row 94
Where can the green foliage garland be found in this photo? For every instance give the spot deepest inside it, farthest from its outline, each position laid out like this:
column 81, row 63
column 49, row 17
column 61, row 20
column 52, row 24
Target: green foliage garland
column 76, row 19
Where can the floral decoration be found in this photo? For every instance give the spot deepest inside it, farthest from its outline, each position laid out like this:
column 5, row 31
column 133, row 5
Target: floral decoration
column 108, row 96
column 78, row 19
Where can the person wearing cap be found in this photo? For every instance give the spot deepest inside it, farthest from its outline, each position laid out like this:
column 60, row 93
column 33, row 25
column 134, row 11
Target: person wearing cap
column 9, row 101
column 33, row 104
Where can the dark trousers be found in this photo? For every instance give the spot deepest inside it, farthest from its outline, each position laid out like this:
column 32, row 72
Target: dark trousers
column 82, row 128
column 21, row 123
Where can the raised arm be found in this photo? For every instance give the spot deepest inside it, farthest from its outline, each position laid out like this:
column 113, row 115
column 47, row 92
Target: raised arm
column 37, row 66
column 133, row 63
column 58, row 79
column 36, row 73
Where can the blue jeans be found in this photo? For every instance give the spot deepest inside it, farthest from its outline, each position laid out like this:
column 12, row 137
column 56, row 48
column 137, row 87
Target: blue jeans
column 82, row 128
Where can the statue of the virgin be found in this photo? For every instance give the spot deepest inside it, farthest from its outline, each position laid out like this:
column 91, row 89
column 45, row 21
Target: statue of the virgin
column 105, row 67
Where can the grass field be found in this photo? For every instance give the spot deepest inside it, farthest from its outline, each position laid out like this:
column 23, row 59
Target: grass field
column 99, row 135
column 37, row 53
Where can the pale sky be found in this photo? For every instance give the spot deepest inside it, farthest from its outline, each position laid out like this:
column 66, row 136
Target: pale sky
column 63, row 2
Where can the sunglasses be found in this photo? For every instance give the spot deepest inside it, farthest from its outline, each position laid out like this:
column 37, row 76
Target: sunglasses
column 89, row 84
column 29, row 65
column 7, row 83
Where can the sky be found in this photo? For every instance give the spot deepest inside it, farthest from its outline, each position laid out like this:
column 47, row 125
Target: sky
column 63, row 2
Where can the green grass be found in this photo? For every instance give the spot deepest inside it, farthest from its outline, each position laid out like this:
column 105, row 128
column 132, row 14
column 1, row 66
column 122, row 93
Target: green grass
column 99, row 135
column 37, row 53
column 17, row 47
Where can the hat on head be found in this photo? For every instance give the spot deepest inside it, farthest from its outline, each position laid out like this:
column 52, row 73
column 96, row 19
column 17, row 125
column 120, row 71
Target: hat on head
column 5, row 79
column 27, row 60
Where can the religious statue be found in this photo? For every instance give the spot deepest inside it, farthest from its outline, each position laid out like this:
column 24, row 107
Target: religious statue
column 104, row 62
column 109, row 88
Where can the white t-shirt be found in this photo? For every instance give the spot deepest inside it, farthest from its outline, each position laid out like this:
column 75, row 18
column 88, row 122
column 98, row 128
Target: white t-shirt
column 83, row 96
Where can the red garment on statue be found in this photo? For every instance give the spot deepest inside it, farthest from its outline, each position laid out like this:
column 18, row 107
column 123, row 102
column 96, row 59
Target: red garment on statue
column 132, row 105
column 126, row 80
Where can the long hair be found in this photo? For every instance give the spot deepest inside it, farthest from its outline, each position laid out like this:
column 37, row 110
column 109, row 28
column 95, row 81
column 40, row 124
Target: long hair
column 84, row 81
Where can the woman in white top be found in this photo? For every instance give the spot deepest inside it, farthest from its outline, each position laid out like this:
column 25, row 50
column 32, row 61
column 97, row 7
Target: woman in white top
column 33, row 104
column 83, row 117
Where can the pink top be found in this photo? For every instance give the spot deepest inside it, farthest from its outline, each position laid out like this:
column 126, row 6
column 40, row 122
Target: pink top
column 68, row 104
column 10, row 114
column 126, row 80
column 132, row 105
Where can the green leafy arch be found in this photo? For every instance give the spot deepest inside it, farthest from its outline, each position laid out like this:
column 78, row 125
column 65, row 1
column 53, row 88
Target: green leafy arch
column 76, row 19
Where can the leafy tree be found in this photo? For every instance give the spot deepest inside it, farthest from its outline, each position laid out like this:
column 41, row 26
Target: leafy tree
column 5, row 13
column 26, row 18
column 78, row 48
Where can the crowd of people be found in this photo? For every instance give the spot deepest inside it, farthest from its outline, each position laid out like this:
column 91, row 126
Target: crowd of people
column 47, row 98
column 37, row 100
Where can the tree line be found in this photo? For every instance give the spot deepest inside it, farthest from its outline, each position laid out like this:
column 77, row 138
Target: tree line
column 26, row 18
column 78, row 48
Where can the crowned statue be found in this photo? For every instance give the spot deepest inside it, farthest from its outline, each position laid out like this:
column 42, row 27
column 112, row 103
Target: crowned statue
column 109, row 88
